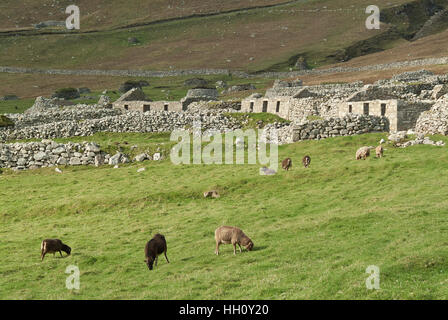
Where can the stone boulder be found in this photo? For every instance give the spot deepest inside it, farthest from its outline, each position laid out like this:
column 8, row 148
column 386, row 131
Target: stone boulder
column 398, row 137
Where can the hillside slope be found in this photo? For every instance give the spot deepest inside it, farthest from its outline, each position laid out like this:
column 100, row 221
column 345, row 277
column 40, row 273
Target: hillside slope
column 106, row 14
column 258, row 39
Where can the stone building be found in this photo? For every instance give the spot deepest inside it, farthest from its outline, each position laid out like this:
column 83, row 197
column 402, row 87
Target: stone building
column 135, row 100
column 144, row 106
column 279, row 105
column 402, row 115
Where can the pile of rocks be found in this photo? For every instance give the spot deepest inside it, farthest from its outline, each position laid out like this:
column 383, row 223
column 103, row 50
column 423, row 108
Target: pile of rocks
column 399, row 139
column 434, row 121
column 42, row 104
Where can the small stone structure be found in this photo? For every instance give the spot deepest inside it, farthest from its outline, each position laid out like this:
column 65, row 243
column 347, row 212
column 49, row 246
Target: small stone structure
column 145, row 106
column 402, row 115
column 135, row 100
column 352, row 124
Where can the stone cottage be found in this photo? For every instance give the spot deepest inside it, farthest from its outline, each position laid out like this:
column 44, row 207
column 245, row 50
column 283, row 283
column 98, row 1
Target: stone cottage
column 384, row 102
column 135, row 100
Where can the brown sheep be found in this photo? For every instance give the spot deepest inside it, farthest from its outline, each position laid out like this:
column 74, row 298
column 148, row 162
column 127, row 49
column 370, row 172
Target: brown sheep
column 53, row 246
column 155, row 247
column 306, row 161
column 233, row 235
column 362, row 153
column 286, row 164
column 379, row 151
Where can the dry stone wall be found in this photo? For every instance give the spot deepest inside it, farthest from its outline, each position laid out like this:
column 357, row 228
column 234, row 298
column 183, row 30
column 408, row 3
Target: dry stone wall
column 132, row 121
column 321, row 129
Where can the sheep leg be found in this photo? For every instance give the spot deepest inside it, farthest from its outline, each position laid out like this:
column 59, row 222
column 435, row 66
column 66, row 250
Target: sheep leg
column 42, row 255
column 234, row 249
column 60, row 253
column 157, row 259
column 240, row 248
column 217, row 248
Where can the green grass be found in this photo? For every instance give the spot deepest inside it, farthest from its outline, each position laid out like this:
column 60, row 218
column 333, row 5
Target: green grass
column 315, row 230
column 256, row 120
column 314, row 118
column 5, row 121
column 15, row 106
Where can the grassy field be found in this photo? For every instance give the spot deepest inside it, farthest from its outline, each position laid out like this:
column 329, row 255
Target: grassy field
column 315, row 230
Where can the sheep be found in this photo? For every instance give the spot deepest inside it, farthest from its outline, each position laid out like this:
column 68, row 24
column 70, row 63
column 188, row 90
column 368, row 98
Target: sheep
column 363, row 153
column 233, row 235
column 155, row 247
column 306, row 161
column 53, row 246
column 286, row 164
column 211, row 194
column 379, row 151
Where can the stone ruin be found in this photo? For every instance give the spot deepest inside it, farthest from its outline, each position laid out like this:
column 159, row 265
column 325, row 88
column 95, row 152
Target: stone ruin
column 402, row 100
column 135, row 100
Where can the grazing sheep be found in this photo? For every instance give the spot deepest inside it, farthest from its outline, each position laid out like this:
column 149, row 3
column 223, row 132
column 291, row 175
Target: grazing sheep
column 53, row 246
column 379, row 151
column 233, row 235
column 155, row 247
column 286, row 164
column 306, row 161
column 362, row 153
column 211, row 194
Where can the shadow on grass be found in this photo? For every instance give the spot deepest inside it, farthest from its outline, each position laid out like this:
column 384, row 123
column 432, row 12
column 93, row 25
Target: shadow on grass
column 259, row 248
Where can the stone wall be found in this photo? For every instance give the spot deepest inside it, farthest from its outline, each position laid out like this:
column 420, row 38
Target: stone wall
column 132, row 121
column 239, row 74
column 49, row 153
column 321, row 129
column 76, row 113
